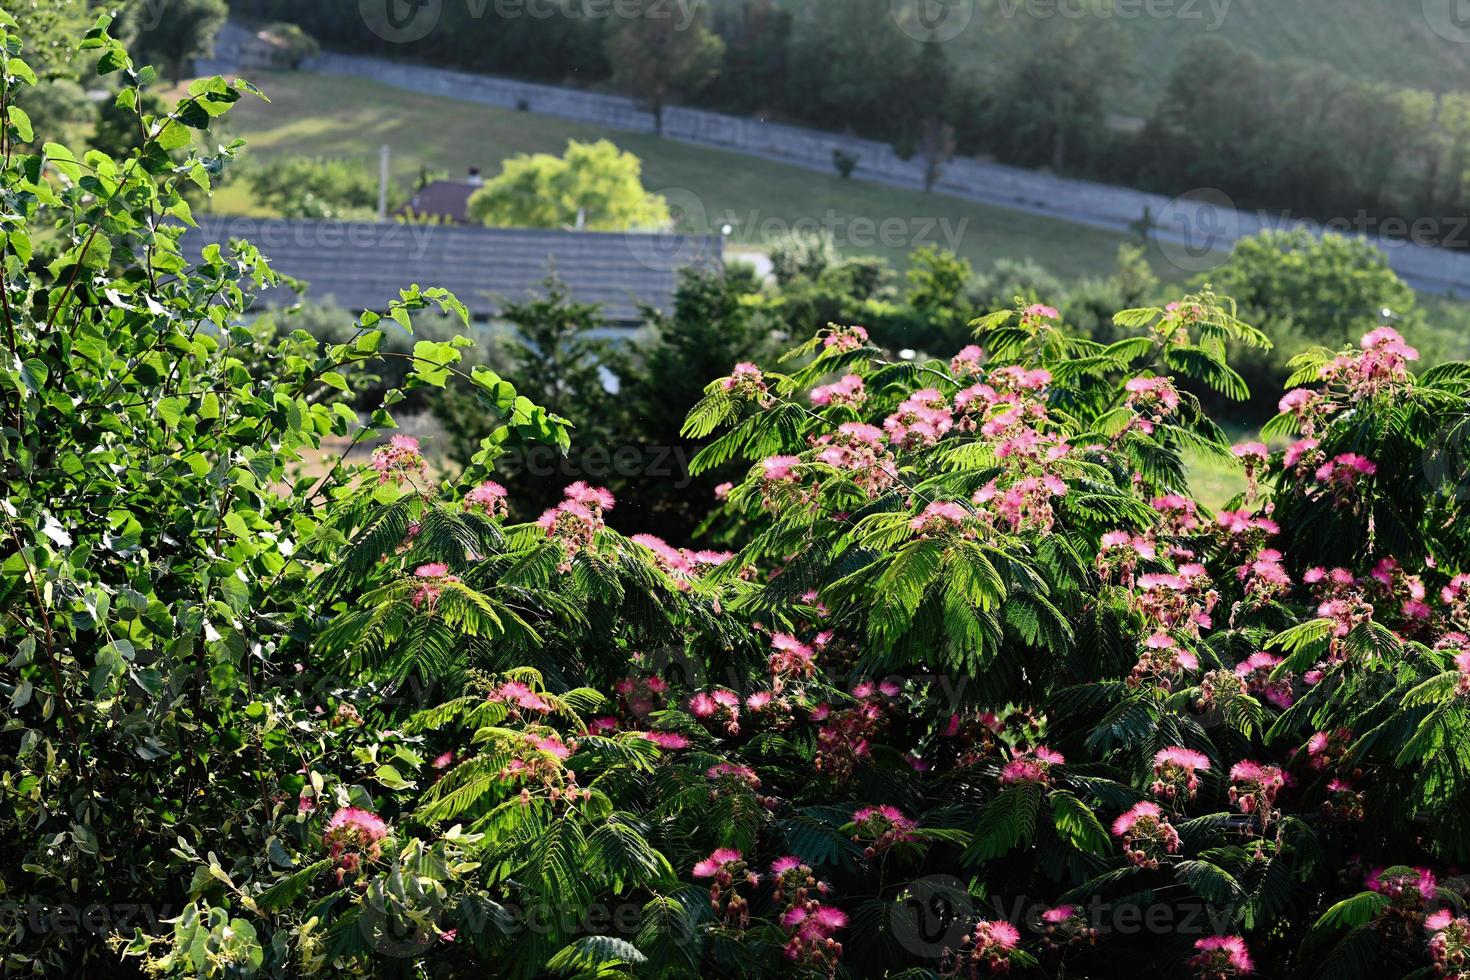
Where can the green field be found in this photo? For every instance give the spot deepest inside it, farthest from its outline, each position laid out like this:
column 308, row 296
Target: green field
column 323, row 115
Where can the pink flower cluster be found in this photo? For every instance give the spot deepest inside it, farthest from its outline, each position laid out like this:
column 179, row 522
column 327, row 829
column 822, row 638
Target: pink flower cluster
column 1404, row 887
column 1342, row 473
column 1147, row 835
column 858, row 450
column 1120, row 553
column 845, row 738
column 989, row 947
column 1026, row 504
column 746, row 381
column 1379, row 367
column 921, row 419
column 1220, row 958
column 943, row 517
column 1265, row 577
column 1309, row 407
column 1303, row 457
column 1181, row 600
column 641, row 695
column 842, row 339
column 967, row 363
column 847, row 393
column 1254, row 455
column 488, row 498
column 882, row 828
column 718, row 708
column 575, row 522
column 791, row 658
column 1255, row 673
column 1031, row 766
column 1175, row 773
column 353, row 836
column 1254, row 785
column 730, row 777
column 431, row 579
column 1449, row 942
column 682, row 565
column 813, row 928
column 519, row 697
column 725, row 867
column 398, row 461
column 1162, row 662
column 1033, row 315
column 1152, row 400
column 1178, row 515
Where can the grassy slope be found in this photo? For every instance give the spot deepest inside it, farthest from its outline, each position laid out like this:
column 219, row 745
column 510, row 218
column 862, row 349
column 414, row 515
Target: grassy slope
column 348, row 117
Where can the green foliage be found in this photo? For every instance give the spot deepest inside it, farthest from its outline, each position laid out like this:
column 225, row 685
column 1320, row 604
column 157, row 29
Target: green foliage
column 174, row 33
column 657, row 55
column 352, row 717
column 301, row 187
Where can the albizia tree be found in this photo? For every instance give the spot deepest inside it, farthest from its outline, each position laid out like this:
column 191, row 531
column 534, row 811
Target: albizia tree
column 984, row 689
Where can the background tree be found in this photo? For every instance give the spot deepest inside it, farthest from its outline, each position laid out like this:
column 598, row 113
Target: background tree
column 937, row 145
column 1305, row 291
column 715, row 323
column 593, row 185
column 305, row 187
column 176, row 32
column 552, row 343
column 1049, row 109
column 663, row 52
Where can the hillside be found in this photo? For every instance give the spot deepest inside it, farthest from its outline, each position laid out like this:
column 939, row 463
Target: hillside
column 321, row 115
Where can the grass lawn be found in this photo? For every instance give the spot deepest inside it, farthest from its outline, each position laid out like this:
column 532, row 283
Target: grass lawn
column 324, row 115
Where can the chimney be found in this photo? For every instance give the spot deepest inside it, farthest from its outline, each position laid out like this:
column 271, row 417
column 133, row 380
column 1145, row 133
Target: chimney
column 475, row 179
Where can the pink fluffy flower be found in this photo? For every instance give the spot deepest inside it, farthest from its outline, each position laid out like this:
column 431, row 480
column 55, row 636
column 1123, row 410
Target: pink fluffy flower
column 882, row 827
column 400, row 460
column 431, row 577
column 1175, row 770
column 780, row 469
column 352, row 836
column 1221, row 957
column 668, row 740
column 990, row 945
column 940, row 517
column 841, row 339
column 746, row 381
column 718, row 863
column 489, row 498
column 847, row 393
column 1254, row 785
column 1147, row 835
column 966, row 364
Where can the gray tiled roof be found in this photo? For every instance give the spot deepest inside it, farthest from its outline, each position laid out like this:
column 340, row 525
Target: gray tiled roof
column 363, row 265
column 445, row 199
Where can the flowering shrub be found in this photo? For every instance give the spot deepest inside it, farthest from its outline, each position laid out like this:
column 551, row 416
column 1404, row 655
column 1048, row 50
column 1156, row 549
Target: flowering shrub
column 977, row 639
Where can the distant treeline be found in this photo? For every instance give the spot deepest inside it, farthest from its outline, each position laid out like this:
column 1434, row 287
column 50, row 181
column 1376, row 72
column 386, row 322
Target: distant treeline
column 1272, row 135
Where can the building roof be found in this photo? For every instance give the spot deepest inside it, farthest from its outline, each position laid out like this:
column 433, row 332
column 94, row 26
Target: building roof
column 447, row 199
column 362, row 266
